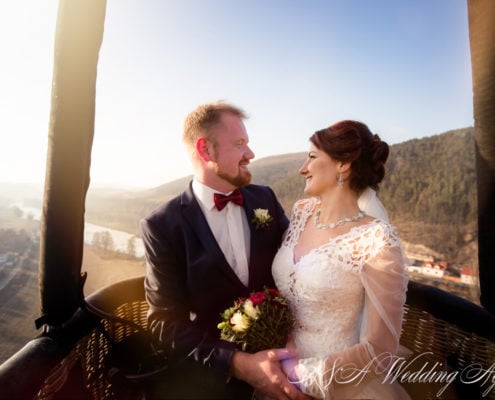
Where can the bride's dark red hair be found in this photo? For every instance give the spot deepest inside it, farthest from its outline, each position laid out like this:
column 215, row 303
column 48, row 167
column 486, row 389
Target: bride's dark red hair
column 352, row 141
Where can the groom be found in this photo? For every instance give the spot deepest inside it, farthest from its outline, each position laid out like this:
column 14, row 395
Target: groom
column 203, row 251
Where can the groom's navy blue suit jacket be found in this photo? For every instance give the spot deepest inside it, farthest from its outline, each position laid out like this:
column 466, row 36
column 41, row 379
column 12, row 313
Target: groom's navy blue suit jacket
column 188, row 280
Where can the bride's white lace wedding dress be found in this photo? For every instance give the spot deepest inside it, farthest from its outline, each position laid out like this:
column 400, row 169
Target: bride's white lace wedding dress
column 347, row 297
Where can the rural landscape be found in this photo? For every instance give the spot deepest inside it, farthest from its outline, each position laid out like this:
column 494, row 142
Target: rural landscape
column 429, row 192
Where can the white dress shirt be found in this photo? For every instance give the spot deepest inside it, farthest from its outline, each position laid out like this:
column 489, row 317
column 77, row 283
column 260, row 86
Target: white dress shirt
column 230, row 228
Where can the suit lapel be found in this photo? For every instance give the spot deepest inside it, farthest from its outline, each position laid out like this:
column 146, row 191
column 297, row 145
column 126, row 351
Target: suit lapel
column 196, row 219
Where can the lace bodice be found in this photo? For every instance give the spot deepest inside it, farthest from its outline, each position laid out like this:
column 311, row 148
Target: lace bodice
column 324, row 287
column 335, row 290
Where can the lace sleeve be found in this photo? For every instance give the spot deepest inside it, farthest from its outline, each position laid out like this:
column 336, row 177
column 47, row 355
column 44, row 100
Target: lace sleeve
column 385, row 287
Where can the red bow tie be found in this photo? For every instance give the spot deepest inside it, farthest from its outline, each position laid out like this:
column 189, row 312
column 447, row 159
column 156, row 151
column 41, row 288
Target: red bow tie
column 221, row 200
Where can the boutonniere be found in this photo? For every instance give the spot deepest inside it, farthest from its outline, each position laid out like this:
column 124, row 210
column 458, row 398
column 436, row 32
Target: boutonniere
column 261, row 218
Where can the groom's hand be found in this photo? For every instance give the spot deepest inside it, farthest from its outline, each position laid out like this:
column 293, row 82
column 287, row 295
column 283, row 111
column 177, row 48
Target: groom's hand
column 263, row 371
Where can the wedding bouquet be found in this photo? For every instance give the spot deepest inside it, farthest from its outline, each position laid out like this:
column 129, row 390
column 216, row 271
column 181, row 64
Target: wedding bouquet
column 261, row 321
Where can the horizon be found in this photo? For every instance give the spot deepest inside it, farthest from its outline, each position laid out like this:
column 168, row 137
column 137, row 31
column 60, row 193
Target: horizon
column 403, row 69
column 39, row 186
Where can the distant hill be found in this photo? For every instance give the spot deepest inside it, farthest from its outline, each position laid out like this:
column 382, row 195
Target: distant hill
column 434, row 177
column 429, row 191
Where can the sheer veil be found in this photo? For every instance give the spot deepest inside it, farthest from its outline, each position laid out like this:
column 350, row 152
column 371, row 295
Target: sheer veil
column 371, row 205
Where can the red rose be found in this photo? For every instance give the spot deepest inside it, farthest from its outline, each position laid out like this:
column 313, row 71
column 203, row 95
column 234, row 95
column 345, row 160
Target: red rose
column 257, row 298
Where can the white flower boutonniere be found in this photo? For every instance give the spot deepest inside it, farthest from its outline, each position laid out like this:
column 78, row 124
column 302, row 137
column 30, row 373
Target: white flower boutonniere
column 261, row 218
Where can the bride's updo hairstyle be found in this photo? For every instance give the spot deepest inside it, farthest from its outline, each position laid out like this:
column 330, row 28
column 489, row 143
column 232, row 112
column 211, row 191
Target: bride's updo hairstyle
column 352, row 141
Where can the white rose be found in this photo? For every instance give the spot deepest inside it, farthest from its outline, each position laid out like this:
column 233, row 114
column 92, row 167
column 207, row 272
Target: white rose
column 251, row 310
column 239, row 321
column 261, row 214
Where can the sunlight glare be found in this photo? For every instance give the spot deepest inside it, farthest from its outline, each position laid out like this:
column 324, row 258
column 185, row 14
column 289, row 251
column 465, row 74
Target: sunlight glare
column 27, row 30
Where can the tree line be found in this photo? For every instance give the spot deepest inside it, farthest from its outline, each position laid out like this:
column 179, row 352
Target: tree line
column 429, row 191
column 104, row 241
column 433, row 179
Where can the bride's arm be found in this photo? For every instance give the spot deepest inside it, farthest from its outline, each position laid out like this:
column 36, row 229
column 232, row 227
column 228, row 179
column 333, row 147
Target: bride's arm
column 385, row 286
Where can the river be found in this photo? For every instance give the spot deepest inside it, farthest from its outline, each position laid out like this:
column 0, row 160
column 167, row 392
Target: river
column 120, row 238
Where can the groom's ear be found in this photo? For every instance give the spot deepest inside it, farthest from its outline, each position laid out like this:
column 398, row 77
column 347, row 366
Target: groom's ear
column 203, row 150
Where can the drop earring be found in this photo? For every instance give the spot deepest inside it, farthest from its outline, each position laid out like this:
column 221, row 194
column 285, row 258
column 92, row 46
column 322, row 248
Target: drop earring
column 340, row 180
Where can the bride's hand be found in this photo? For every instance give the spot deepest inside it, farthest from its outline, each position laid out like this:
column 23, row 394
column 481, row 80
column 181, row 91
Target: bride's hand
column 289, row 366
column 263, row 371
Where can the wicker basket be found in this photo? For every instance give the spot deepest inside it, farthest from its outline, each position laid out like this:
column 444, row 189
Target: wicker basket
column 451, row 335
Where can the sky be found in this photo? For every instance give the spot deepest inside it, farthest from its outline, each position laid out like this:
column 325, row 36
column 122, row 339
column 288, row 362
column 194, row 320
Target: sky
column 295, row 66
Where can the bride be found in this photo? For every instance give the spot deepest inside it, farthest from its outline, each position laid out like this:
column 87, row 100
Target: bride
column 342, row 270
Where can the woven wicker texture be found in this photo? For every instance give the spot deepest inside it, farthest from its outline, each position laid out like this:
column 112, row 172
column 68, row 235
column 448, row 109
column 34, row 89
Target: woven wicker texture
column 441, row 351
column 447, row 353
column 94, row 350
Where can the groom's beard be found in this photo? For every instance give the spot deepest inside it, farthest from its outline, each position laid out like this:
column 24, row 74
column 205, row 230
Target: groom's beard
column 243, row 178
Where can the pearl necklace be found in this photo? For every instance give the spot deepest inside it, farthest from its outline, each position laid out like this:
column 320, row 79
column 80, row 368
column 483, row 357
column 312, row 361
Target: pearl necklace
column 340, row 222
